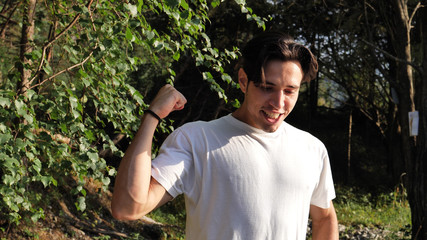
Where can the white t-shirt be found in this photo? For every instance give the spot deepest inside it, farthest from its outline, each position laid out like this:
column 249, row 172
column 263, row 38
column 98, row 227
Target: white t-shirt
column 240, row 182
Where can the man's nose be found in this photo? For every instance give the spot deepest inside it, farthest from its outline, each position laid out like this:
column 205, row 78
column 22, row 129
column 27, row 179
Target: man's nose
column 277, row 100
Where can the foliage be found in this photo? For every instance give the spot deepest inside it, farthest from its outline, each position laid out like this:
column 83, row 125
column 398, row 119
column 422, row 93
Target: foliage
column 384, row 209
column 78, row 93
column 173, row 214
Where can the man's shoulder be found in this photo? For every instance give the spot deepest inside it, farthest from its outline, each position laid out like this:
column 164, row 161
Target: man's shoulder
column 204, row 123
column 301, row 134
column 197, row 126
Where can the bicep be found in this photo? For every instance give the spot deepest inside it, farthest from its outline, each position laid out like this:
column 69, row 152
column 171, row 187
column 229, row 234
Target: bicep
column 324, row 222
column 158, row 195
column 318, row 213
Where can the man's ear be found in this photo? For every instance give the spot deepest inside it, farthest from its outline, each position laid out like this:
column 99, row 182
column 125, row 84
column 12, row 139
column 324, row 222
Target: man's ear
column 243, row 80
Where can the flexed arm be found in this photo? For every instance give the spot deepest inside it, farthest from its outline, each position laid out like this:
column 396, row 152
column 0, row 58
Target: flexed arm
column 136, row 193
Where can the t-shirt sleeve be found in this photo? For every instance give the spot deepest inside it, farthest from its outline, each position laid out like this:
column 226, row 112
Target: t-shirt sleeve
column 324, row 191
column 172, row 163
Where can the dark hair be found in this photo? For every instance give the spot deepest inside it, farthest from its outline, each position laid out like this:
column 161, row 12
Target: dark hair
column 275, row 46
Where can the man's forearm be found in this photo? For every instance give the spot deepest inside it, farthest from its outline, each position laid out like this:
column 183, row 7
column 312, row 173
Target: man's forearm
column 133, row 178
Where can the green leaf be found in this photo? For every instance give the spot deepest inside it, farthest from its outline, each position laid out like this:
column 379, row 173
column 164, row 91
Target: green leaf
column 93, row 156
column 64, row 127
column 90, row 135
column 106, row 181
column 37, row 215
column 5, row 102
column 3, row 127
column 4, row 138
column 8, row 180
column 9, row 162
column 37, row 165
column 47, row 69
column 226, row 78
column 30, row 94
column 185, row 15
column 215, row 3
column 176, row 56
column 77, row 9
column 21, row 108
column 132, row 9
column 45, row 180
column 111, row 172
column 140, row 4
column 129, row 35
column 76, row 114
column 150, row 34
column 172, row 3
column 81, row 204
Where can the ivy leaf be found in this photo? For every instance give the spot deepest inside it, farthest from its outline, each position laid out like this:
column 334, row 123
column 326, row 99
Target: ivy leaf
column 172, row 3
column 37, row 215
column 92, row 156
column 8, row 180
column 132, row 9
column 37, row 165
column 4, row 138
column 9, row 162
column 81, row 204
column 106, row 181
column 176, row 56
column 129, row 35
column 90, row 135
column 5, row 102
column 21, row 108
column 46, row 180
column 47, row 69
column 215, row 3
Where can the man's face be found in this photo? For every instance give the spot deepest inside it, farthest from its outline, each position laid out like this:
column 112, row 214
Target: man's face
column 267, row 104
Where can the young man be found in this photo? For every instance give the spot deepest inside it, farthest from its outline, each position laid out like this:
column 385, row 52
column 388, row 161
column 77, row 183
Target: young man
column 248, row 175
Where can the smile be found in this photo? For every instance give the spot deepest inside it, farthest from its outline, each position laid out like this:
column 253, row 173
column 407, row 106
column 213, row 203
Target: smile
column 272, row 115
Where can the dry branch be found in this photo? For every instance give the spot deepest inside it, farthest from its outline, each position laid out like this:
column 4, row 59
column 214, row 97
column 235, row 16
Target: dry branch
column 62, row 71
column 416, row 67
column 50, row 42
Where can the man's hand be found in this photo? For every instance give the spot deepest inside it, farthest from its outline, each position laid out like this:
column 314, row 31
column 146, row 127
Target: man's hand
column 168, row 99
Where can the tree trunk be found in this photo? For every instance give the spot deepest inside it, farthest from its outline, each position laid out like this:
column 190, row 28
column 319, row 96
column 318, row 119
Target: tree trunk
column 414, row 150
column 419, row 187
column 26, row 39
column 350, row 128
column 395, row 165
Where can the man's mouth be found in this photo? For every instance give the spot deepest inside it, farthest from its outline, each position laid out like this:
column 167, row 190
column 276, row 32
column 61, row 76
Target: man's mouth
column 272, row 115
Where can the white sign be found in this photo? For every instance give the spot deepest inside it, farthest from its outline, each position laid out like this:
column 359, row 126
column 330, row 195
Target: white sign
column 413, row 123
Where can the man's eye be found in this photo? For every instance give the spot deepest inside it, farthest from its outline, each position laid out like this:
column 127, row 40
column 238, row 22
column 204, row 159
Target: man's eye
column 265, row 88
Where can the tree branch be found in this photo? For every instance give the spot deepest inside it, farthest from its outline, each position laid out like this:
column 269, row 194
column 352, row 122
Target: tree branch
column 413, row 13
column 62, row 71
column 416, row 67
column 8, row 20
column 54, row 39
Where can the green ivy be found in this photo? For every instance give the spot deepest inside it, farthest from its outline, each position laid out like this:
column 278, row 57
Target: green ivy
column 82, row 95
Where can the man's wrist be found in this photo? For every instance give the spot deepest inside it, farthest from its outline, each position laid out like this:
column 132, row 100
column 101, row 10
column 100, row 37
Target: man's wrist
column 153, row 114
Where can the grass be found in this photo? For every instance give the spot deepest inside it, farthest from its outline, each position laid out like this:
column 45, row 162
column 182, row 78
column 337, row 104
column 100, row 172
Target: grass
column 173, row 216
column 386, row 210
